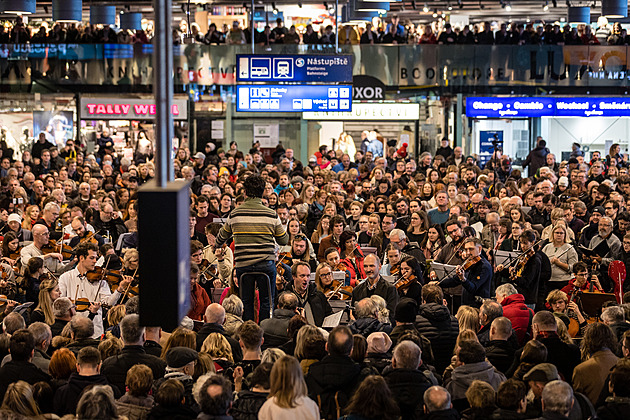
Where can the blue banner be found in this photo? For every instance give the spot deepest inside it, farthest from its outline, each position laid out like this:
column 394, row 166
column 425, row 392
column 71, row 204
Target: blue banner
column 487, row 107
column 293, row 98
column 294, row 68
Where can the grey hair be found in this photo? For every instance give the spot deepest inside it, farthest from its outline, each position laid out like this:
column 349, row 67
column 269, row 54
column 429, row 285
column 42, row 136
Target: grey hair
column 366, row 308
column 233, row 305
column 271, row 355
column 130, row 330
column 557, row 397
column 61, row 306
column 614, row 314
column 407, row 355
column 398, row 233
column 41, row 332
column 97, row 403
column 506, row 289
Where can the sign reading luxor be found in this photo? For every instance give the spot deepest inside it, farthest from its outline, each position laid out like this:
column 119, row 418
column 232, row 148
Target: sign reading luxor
column 546, row 107
column 132, row 109
column 294, row 68
column 293, row 98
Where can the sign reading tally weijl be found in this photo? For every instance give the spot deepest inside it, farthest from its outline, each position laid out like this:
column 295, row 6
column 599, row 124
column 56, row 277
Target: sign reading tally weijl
column 128, row 109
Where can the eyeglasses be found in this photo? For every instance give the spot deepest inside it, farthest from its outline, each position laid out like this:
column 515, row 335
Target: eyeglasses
column 325, row 274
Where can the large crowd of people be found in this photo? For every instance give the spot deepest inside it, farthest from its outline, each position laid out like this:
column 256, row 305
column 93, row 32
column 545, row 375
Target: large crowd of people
column 371, row 285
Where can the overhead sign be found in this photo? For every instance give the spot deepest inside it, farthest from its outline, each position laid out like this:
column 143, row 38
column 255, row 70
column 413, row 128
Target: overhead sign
column 367, row 88
column 127, row 109
column 293, row 98
column 294, row 68
column 487, row 107
column 389, row 111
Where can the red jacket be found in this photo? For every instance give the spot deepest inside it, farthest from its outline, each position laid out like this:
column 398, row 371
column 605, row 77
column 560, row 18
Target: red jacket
column 519, row 314
column 199, row 301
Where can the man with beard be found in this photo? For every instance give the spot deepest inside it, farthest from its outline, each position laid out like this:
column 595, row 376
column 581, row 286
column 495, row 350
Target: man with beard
column 300, row 251
column 590, row 230
column 609, row 250
column 314, row 304
column 376, row 285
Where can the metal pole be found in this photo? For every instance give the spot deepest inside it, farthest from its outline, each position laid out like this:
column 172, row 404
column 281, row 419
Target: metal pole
column 252, row 27
column 163, row 90
column 336, row 26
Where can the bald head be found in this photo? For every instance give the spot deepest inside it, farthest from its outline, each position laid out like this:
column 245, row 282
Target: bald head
column 215, row 314
column 436, row 398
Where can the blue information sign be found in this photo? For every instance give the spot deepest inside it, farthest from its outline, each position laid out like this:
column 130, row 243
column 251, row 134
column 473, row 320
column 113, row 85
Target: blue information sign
column 293, row 98
column 546, row 107
column 486, row 146
column 294, row 68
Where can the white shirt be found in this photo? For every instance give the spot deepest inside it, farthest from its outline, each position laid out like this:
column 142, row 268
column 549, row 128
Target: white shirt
column 74, row 286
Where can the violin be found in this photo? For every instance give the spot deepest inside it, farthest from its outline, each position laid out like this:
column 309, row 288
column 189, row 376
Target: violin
column 89, row 238
column 285, row 258
column 83, row 304
column 404, row 283
column 53, row 247
column 113, row 277
column 338, row 291
column 470, row 262
column 517, row 270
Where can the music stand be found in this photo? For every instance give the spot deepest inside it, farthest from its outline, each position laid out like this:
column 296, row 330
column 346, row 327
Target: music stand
column 442, row 271
column 592, row 302
column 505, row 258
column 338, row 306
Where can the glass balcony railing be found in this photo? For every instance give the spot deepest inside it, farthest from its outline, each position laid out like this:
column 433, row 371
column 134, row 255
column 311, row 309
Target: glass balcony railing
column 439, row 66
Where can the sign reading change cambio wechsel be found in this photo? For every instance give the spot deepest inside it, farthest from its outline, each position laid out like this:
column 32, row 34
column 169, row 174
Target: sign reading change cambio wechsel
column 294, row 68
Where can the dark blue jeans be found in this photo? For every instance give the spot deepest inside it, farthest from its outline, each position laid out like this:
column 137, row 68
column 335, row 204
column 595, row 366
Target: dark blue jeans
column 247, row 286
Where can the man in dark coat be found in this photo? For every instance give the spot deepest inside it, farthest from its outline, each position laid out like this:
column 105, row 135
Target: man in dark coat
column 115, row 367
column 276, row 329
column 500, row 351
column 406, row 381
column 214, row 319
column 437, row 405
column 334, row 379
column 87, row 374
column 314, row 303
column 375, row 285
column 537, row 158
column 436, row 323
column 367, row 319
column 20, row 368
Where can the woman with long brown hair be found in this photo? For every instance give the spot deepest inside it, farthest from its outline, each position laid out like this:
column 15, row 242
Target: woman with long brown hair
column 48, row 293
column 288, row 397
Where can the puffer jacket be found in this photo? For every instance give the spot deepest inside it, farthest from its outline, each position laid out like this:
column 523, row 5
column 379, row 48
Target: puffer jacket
column 135, row 408
column 367, row 326
column 436, row 323
column 462, row 377
column 518, row 313
column 247, row 405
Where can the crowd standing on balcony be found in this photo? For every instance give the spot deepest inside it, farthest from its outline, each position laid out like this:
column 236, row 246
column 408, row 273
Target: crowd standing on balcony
column 366, row 209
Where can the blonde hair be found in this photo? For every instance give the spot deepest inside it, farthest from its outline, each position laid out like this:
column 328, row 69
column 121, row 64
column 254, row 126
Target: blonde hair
column 20, row 400
column 381, row 305
column 468, row 318
column 116, row 314
column 45, row 302
column 218, row 347
column 287, row 382
column 306, row 335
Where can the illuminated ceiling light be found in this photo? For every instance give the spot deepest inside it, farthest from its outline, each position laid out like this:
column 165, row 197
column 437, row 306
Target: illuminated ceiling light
column 449, row 7
column 425, row 9
column 508, row 7
column 275, row 9
column 435, row 13
column 365, row 6
column 546, row 6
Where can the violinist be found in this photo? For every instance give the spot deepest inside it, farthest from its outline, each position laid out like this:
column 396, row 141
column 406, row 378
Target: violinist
column 324, row 278
column 10, row 248
column 474, row 274
column 581, row 281
column 223, row 258
column 526, row 273
column 75, row 285
column 451, row 253
column 48, row 293
column 52, row 260
column 33, row 276
column 392, row 268
column 334, row 260
column 315, row 304
column 559, row 302
column 332, row 240
column 352, row 256
column 410, row 282
column 79, row 226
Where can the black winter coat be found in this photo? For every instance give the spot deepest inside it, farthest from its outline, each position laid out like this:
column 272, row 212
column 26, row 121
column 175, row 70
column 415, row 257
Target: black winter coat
column 115, row 367
column 276, row 329
column 248, row 404
column 536, row 159
column 436, row 323
column 20, row 371
column 67, row 396
column 408, row 388
column 501, row 354
column 383, row 289
column 180, row 412
column 320, row 307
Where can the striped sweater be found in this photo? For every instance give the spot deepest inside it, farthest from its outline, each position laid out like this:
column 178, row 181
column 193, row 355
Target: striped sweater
column 255, row 229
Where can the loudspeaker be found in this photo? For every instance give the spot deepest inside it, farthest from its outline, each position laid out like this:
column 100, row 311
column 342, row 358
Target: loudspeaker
column 164, row 248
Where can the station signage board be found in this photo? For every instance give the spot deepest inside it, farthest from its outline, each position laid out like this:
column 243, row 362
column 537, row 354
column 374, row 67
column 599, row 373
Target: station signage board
column 294, row 68
column 293, row 98
column 488, row 107
column 386, row 111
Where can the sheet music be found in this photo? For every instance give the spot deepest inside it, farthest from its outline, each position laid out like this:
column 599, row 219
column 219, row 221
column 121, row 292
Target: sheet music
column 443, row 270
column 331, row 321
column 505, row 257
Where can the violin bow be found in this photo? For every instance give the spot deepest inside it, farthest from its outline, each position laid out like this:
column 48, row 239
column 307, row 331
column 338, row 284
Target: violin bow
column 129, row 285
